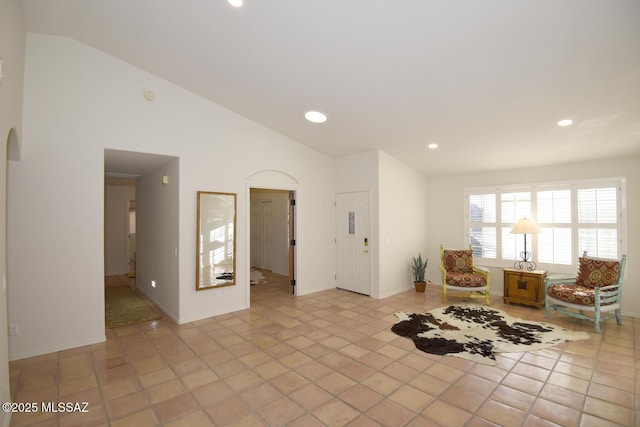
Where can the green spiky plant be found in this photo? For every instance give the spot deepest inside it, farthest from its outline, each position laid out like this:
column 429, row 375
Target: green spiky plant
column 418, row 268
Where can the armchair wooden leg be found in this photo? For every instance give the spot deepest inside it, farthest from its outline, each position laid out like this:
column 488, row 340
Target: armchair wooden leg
column 546, row 307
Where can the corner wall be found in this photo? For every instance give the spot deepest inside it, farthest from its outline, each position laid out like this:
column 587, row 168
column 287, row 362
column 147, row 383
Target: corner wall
column 403, row 224
column 399, row 215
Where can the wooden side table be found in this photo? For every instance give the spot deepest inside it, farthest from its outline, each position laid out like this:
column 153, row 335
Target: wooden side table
column 524, row 287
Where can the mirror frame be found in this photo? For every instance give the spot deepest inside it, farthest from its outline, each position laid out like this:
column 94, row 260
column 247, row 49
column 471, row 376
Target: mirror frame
column 203, row 215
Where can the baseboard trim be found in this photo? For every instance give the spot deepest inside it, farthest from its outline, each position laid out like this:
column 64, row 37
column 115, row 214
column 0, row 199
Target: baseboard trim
column 203, row 316
column 56, row 348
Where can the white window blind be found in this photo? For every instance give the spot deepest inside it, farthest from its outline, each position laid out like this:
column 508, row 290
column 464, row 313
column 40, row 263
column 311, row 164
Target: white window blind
column 597, row 221
column 514, row 205
column 553, row 215
column 573, row 217
column 482, row 225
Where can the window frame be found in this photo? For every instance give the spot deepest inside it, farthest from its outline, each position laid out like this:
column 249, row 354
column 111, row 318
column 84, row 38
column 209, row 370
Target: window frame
column 532, row 240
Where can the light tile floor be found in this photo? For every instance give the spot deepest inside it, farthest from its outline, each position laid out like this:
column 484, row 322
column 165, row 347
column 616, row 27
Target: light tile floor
column 329, row 359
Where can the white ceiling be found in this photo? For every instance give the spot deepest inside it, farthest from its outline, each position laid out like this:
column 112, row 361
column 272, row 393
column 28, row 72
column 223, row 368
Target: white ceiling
column 485, row 79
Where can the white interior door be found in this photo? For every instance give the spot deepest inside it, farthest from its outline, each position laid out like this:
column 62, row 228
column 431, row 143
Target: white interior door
column 267, row 235
column 261, row 234
column 352, row 242
column 131, row 235
column 256, row 234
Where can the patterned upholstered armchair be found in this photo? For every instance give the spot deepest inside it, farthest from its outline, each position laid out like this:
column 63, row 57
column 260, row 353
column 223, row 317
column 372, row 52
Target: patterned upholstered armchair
column 459, row 274
column 597, row 288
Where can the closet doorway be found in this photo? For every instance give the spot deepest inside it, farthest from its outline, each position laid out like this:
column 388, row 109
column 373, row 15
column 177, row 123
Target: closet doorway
column 272, row 234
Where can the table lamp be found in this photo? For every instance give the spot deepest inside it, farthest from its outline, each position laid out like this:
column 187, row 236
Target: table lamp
column 525, row 226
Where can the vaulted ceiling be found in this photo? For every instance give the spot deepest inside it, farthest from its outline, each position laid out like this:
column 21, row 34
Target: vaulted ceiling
column 487, row 80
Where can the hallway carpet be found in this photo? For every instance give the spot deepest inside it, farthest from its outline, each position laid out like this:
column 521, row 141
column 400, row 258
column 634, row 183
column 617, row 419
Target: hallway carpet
column 124, row 306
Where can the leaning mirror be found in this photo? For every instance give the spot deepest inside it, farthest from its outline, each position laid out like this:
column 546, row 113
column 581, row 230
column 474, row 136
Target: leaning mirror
column 216, row 236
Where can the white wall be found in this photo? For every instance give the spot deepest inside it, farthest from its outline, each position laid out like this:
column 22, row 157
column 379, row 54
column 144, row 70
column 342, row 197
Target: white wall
column 403, row 224
column 116, row 211
column 78, row 102
column 12, row 41
column 446, row 212
column 157, row 240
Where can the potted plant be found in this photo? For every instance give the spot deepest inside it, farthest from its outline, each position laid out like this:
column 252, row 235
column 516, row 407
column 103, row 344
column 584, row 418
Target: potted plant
column 418, row 268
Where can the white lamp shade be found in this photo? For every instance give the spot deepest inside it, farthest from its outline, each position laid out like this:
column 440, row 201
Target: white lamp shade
column 525, row 226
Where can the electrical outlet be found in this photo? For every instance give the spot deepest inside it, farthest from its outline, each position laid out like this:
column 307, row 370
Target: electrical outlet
column 14, row 329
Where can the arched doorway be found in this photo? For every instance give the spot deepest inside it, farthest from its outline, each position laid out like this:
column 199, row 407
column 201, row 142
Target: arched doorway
column 271, row 198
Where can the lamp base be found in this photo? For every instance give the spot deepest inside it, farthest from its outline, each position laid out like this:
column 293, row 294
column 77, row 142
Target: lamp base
column 524, row 263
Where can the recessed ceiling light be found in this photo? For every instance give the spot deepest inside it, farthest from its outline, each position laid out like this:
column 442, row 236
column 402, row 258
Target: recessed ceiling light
column 235, row 3
column 565, row 122
column 432, row 146
column 315, row 116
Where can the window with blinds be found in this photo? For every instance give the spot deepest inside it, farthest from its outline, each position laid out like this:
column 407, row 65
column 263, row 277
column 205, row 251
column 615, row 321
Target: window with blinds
column 573, row 217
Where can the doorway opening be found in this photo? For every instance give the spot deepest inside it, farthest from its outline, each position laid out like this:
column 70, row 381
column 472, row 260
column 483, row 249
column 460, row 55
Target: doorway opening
column 120, row 195
column 138, row 203
column 272, row 240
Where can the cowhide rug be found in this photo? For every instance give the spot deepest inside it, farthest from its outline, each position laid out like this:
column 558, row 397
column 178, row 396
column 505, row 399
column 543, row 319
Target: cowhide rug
column 477, row 333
